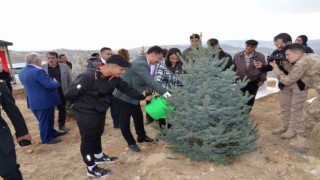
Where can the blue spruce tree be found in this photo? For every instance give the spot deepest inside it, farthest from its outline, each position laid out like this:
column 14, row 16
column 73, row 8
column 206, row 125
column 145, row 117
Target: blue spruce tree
column 211, row 119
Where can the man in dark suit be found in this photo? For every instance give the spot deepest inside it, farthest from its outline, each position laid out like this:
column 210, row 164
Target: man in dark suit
column 9, row 169
column 42, row 97
column 149, row 90
column 138, row 77
column 61, row 73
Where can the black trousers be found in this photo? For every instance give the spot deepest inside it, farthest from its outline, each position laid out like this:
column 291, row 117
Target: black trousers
column 252, row 87
column 91, row 127
column 126, row 111
column 163, row 124
column 62, row 111
column 114, row 112
column 9, row 169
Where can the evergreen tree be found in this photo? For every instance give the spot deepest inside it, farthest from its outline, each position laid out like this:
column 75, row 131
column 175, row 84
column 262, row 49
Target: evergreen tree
column 142, row 51
column 211, row 119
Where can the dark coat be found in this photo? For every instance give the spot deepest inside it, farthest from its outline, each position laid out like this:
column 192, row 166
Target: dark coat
column 223, row 54
column 138, row 77
column 41, row 90
column 7, row 77
column 251, row 72
column 95, row 63
column 7, row 151
column 307, row 49
column 65, row 76
column 90, row 92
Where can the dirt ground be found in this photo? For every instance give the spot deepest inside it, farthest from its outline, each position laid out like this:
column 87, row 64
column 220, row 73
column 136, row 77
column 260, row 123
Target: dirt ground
column 274, row 159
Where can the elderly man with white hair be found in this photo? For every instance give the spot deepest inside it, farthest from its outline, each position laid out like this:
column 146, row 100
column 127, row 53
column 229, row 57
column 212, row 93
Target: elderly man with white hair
column 42, row 97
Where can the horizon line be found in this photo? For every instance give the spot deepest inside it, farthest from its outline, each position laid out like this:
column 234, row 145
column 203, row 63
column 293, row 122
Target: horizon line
column 181, row 44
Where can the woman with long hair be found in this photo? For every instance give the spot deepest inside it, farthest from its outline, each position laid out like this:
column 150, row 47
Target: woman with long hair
column 167, row 74
column 124, row 53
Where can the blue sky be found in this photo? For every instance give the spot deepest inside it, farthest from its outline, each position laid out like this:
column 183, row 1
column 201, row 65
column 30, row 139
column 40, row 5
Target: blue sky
column 90, row 25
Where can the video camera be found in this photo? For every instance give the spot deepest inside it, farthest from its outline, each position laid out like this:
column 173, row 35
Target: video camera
column 279, row 55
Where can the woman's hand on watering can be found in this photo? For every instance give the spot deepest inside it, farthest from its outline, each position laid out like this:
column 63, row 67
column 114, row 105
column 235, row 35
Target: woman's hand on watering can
column 169, row 100
column 148, row 98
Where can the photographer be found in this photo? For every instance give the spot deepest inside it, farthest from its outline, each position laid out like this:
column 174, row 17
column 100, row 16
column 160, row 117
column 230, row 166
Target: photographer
column 9, row 169
column 305, row 67
column 292, row 96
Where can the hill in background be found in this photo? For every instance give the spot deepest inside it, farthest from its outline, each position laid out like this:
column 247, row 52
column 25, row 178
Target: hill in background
column 230, row 46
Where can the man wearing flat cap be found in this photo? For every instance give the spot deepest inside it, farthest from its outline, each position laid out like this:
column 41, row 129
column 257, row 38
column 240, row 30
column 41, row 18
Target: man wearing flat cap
column 89, row 95
column 244, row 66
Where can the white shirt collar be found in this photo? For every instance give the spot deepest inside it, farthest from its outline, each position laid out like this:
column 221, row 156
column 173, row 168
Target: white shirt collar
column 104, row 61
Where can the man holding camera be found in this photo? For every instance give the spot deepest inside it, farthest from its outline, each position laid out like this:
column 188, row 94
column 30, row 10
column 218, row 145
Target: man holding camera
column 9, row 169
column 305, row 67
column 292, row 96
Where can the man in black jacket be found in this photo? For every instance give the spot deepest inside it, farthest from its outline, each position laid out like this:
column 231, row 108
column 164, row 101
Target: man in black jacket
column 9, row 169
column 215, row 42
column 89, row 95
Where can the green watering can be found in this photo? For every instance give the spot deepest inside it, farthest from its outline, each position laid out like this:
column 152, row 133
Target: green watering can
column 157, row 108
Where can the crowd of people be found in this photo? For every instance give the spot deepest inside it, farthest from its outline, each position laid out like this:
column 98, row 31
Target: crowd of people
column 118, row 82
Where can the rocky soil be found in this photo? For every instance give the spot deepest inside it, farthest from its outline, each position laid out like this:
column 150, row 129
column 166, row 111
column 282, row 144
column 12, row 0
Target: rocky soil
column 274, row 160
